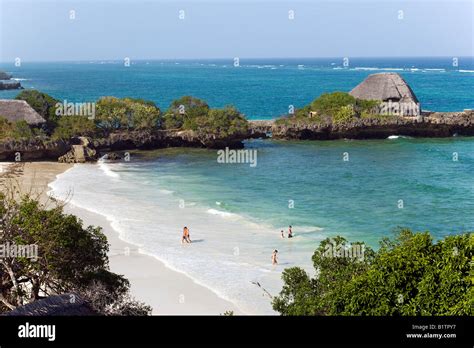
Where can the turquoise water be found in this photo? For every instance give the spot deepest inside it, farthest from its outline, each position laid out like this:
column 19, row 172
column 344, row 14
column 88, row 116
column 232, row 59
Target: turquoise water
column 260, row 88
column 358, row 198
column 235, row 211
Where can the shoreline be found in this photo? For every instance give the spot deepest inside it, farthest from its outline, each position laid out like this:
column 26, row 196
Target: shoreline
column 167, row 291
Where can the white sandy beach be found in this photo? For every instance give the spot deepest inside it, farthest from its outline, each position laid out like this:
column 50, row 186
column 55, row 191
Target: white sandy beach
column 167, row 291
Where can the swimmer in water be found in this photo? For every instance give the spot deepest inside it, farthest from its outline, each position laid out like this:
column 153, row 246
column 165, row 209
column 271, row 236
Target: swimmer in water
column 274, row 257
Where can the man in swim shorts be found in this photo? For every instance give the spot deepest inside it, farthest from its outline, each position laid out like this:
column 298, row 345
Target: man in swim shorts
column 186, row 238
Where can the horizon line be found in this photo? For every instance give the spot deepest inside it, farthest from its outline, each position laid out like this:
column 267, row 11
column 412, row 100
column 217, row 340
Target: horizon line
column 228, row 58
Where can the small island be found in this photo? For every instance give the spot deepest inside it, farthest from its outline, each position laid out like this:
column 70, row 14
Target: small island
column 381, row 106
column 7, row 83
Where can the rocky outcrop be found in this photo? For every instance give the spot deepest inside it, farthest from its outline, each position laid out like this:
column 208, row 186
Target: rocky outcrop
column 6, row 84
column 4, row 76
column 82, row 149
column 112, row 156
column 146, row 140
column 10, row 85
column 430, row 125
column 80, row 153
column 79, row 150
column 30, row 150
column 260, row 129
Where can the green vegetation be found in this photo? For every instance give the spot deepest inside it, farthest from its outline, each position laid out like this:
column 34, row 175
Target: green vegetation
column 127, row 113
column 408, row 275
column 222, row 123
column 189, row 113
column 123, row 114
column 344, row 114
column 19, row 130
column 43, row 104
column 184, row 112
column 70, row 258
column 74, row 126
column 336, row 107
column 330, row 103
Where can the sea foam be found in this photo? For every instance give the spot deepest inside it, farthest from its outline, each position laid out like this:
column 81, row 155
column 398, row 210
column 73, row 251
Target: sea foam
column 228, row 255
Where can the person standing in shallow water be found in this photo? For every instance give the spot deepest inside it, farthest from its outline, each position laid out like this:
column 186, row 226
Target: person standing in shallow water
column 290, row 232
column 282, row 234
column 186, row 238
column 274, row 257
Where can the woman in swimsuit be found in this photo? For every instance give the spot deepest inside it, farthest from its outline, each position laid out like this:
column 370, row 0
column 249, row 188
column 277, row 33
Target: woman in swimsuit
column 274, row 257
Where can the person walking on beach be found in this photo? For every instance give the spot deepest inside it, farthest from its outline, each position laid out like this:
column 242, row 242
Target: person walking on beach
column 186, row 238
column 290, row 232
column 274, row 257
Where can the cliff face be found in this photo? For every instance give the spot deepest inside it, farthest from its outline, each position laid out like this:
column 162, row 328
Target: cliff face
column 432, row 125
column 146, row 140
column 35, row 149
column 78, row 150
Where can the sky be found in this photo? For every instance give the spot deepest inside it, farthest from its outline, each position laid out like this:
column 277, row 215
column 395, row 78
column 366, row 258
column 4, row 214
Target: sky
column 39, row 30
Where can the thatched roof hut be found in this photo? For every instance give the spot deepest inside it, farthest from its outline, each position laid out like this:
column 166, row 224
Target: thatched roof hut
column 17, row 110
column 388, row 87
column 58, row 305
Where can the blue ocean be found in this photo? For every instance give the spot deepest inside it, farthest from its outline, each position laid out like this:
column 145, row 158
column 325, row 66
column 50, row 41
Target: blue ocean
column 259, row 88
column 235, row 212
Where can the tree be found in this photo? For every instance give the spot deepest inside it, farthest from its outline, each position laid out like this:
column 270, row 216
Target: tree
column 409, row 275
column 184, row 111
column 69, row 257
column 303, row 295
column 43, row 104
column 222, row 123
column 145, row 116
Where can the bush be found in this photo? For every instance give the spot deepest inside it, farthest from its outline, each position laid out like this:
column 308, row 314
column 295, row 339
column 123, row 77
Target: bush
column 43, row 104
column 183, row 113
column 5, row 128
column 409, row 275
column 73, row 126
column 114, row 113
column 21, row 130
column 17, row 130
column 222, row 123
column 344, row 114
column 330, row 103
column 338, row 107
